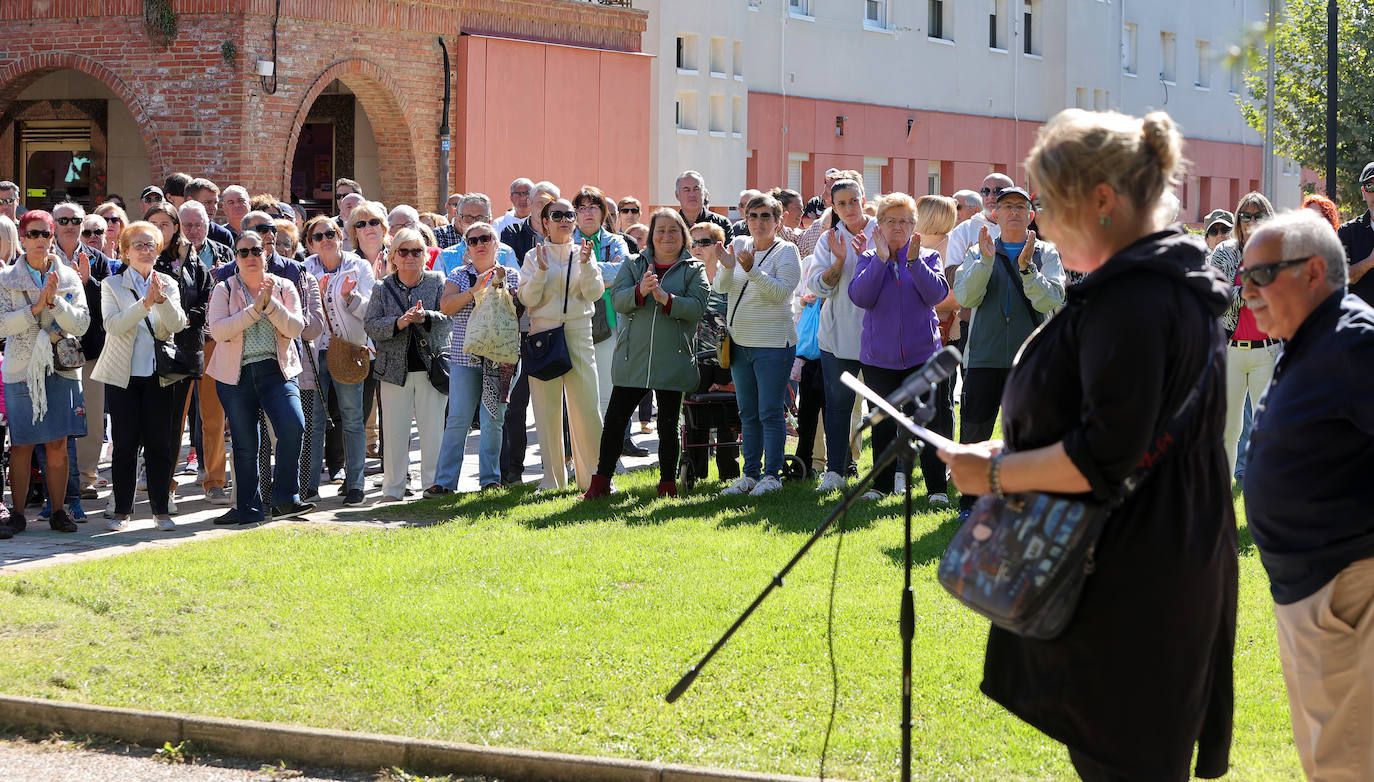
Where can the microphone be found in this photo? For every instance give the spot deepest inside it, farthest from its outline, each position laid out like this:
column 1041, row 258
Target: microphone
column 939, row 367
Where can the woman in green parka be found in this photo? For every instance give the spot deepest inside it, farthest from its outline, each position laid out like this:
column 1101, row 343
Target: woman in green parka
column 660, row 295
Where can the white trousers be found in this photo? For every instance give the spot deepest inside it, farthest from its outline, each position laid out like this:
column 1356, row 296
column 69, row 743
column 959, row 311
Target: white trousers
column 1248, row 370
column 580, row 386
column 420, row 401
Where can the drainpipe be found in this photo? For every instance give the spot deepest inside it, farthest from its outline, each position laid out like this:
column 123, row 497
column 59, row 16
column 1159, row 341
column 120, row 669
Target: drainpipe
column 1016, row 49
column 444, row 142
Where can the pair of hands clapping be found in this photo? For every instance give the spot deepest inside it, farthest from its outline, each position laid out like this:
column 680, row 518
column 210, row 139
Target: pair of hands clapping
column 541, row 254
column 743, row 257
column 988, row 247
column 47, row 296
column 415, row 314
column 649, row 286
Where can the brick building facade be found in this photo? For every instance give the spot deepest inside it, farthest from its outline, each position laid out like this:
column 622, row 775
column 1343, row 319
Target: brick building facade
column 531, row 82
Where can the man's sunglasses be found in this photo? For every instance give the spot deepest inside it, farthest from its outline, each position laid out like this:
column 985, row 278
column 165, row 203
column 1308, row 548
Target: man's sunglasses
column 707, row 242
column 1265, row 273
column 1218, row 230
column 361, row 224
column 992, row 191
column 68, row 220
column 36, row 234
column 321, row 236
column 1251, row 217
column 264, row 228
column 244, row 252
column 152, row 198
column 341, row 196
column 629, row 210
column 410, row 252
column 89, row 232
column 558, row 215
column 473, row 241
column 761, row 216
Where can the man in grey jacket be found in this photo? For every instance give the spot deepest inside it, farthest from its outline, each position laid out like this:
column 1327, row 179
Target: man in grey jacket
column 1010, row 284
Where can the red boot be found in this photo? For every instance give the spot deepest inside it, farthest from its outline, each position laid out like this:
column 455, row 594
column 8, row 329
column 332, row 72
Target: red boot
column 667, row 488
column 600, row 487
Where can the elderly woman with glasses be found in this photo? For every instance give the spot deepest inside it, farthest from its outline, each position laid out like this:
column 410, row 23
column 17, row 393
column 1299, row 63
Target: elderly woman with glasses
column 760, row 276
column 93, row 230
column 560, row 283
column 346, row 285
column 368, row 235
column 255, row 318
column 41, row 299
column 140, row 304
column 476, row 384
column 1250, row 353
column 115, row 220
column 410, row 332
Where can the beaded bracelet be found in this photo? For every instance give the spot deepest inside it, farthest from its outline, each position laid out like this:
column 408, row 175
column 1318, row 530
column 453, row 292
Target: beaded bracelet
column 995, row 475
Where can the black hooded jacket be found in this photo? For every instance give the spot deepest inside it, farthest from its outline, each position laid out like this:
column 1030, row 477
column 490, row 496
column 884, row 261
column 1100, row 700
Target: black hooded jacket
column 1144, row 670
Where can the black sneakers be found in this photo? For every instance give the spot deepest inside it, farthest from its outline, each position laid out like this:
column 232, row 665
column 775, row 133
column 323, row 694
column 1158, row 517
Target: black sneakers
column 354, row 497
column 291, row 508
column 61, row 521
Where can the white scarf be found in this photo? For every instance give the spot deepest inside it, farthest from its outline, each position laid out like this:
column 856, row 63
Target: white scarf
column 40, row 366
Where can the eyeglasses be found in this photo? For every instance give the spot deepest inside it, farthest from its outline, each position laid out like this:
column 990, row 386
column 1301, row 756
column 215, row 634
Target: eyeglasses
column 760, row 216
column 1251, row 217
column 629, row 210
column 8, row 201
column 1218, row 230
column 68, row 220
column 519, row 194
column 902, row 222
column 36, row 234
column 89, row 232
column 588, row 209
column 707, row 242
column 264, row 228
column 152, row 198
column 473, row 241
column 144, row 246
column 992, row 191
column 321, row 236
column 361, row 224
column 410, row 252
column 471, row 218
column 244, row 252
column 558, row 215
column 1265, row 273
column 341, row 196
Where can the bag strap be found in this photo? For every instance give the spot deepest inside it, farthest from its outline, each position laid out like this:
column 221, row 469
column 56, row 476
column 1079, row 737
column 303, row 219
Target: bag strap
column 745, row 287
column 567, row 284
column 423, row 333
column 1035, row 317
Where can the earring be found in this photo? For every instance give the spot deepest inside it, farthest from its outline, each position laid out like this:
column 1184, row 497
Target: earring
column 1104, row 220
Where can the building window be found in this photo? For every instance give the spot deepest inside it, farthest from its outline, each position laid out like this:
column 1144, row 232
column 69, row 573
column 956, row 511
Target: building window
column 1030, row 45
column 1080, row 98
column 737, row 116
column 1203, row 77
column 687, row 53
column 719, row 66
column 995, row 14
column 935, row 26
column 875, row 13
column 933, row 178
column 794, row 170
column 873, row 175
column 799, row 7
column 1235, row 77
column 718, row 117
column 686, row 116
column 1168, row 54
column 1100, row 100
column 1128, row 48
column 739, row 59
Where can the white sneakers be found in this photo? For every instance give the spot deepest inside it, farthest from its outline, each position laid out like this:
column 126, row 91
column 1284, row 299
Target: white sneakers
column 899, row 484
column 830, row 481
column 165, row 524
column 939, row 499
column 871, row 495
column 766, row 484
column 742, row 485
column 117, row 524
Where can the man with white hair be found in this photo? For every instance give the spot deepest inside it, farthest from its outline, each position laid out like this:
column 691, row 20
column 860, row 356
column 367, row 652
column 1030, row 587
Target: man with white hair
column 446, row 236
column 195, row 228
column 965, row 235
column 236, row 207
column 521, row 203
column 1308, row 497
column 739, row 228
column 403, row 216
column 522, row 235
column 967, row 204
column 693, row 198
column 472, row 209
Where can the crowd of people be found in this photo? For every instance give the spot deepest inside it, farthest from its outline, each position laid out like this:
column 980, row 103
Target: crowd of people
column 1084, row 312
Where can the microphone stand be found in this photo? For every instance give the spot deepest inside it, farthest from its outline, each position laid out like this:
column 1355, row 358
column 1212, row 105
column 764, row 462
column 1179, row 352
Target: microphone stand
column 902, row 450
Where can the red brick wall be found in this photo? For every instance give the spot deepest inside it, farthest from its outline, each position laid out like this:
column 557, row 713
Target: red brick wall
column 199, row 114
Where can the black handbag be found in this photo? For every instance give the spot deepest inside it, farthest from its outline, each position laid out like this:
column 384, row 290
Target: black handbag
column 170, row 361
column 436, row 363
column 544, row 354
column 1022, row 560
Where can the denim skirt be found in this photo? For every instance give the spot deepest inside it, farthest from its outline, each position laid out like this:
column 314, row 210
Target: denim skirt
column 66, row 416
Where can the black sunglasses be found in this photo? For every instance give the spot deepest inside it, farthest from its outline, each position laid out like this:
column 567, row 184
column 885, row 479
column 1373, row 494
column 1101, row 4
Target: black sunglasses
column 244, row 252
column 558, row 215
column 152, row 198
column 1265, row 273
column 629, row 210
column 89, row 232
column 361, row 224
column 473, row 241
column 330, row 234
column 1218, row 230
column 410, row 252
column 37, row 234
column 760, row 216
column 1251, row 217
column 68, row 220
column 264, row 228
column 992, row 191
column 707, row 242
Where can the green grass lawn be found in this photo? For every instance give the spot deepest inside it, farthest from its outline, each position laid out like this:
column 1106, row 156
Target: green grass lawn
column 542, row 622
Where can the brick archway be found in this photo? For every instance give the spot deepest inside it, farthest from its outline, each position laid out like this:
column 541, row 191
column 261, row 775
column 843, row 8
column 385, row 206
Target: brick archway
column 18, row 75
column 387, row 111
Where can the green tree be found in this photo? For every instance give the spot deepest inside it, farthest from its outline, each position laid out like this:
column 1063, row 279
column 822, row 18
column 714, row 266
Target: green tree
column 1300, row 91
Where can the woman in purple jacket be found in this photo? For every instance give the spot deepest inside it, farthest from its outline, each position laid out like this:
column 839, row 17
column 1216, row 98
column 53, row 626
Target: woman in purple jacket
column 898, row 285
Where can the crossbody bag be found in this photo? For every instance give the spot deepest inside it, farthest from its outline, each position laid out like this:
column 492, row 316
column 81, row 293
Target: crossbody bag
column 726, row 344
column 436, row 363
column 544, row 354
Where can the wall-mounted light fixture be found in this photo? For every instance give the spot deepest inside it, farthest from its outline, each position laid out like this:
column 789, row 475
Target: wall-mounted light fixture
column 266, row 68
column 839, row 124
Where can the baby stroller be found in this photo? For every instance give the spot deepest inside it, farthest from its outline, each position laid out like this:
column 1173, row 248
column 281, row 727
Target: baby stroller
column 706, row 410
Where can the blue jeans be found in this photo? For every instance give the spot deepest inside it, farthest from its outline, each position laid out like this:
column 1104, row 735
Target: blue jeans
column 760, row 376
column 1244, row 446
column 839, row 404
column 262, row 387
column 350, row 401
column 464, row 398
column 73, row 498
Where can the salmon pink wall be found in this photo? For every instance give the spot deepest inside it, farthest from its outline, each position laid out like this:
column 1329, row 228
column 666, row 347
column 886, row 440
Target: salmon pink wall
column 569, row 115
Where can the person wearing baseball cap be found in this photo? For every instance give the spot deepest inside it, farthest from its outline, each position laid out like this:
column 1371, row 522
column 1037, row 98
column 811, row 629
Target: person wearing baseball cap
column 1218, row 227
column 151, row 196
column 1357, row 236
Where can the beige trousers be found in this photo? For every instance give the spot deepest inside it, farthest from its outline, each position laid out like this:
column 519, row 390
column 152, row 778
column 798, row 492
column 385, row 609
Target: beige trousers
column 419, row 400
column 1326, row 644
column 584, row 413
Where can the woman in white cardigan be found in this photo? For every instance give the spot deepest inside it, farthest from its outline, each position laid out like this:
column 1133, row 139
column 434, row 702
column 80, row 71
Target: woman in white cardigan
column 560, row 283
column 139, row 305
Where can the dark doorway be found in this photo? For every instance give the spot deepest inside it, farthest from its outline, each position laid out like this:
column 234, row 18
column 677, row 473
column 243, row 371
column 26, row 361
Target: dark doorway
column 56, row 163
column 312, row 170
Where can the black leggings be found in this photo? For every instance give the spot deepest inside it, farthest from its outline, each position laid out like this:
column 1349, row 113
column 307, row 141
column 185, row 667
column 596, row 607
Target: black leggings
column 139, row 415
column 885, row 382
column 624, row 401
